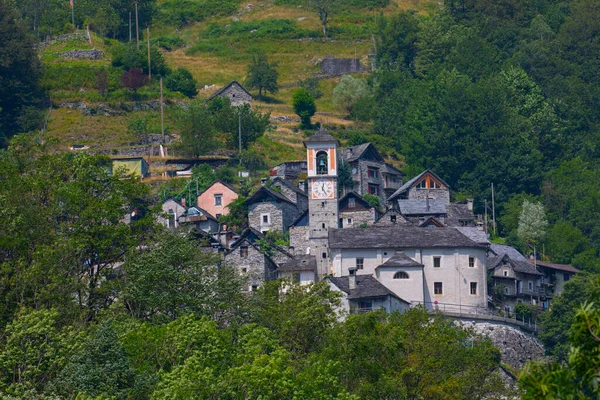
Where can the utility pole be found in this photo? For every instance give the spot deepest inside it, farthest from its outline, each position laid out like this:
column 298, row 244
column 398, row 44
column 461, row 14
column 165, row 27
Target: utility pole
column 493, row 210
column 137, row 28
column 130, row 26
column 485, row 218
column 240, row 135
column 73, row 12
column 149, row 69
column 162, row 113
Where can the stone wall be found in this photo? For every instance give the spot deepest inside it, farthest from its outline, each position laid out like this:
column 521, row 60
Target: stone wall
column 516, row 347
column 435, row 194
column 299, row 239
column 357, row 218
column 82, row 54
column 281, row 216
column 237, row 96
column 254, row 266
column 340, row 66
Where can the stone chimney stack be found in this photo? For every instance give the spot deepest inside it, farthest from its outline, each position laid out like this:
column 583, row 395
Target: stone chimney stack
column 470, row 204
column 427, row 203
column 352, row 278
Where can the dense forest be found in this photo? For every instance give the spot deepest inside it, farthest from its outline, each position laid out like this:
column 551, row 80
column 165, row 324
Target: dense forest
column 483, row 92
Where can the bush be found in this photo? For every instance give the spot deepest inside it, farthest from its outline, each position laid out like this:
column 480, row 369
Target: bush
column 304, row 106
column 181, row 80
column 312, row 86
column 168, row 42
column 351, row 92
column 267, row 28
column 128, row 56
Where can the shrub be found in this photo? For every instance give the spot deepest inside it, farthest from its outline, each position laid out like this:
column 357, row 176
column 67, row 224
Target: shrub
column 304, row 106
column 312, row 86
column 168, row 42
column 350, row 92
column 134, row 79
column 128, row 56
column 181, row 80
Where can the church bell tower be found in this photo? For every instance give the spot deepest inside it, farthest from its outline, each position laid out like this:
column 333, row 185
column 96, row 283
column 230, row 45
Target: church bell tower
column 321, row 153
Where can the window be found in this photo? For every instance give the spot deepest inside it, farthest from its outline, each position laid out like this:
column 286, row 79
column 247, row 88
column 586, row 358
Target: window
column 530, row 285
column 373, row 173
column 437, row 262
column 393, row 219
column 254, row 288
column 324, row 255
column 349, row 221
column 323, row 225
column 437, row 288
column 364, row 306
column 474, row 288
column 360, row 263
column 322, row 168
column 374, row 190
column 244, row 251
column 244, row 270
column 471, row 262
column 505, row 273
column 401, row 275
column 265, row 219
column 351, row 202
column 566, row 277
column 296, row 277
column 506, row 290
column 218, row 199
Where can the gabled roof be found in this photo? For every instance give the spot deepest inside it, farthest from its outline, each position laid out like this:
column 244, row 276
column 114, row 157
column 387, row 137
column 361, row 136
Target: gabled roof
column 302, row 220
column 191, row 213
column 321, row 136
column 517, row 265
column 174, row 201
column 398, row 236
column 227, row 185
column 366, row 287
column 391, row 211
column 422, row 207
column 299, row 263
column 559, row 267
column 388, row 169
column 290, row 185
column 253, row 236
column 399, row 259
column 358, row 197
column 431, row 221
column 474, row 234
column 412, row 181
column 459, row 212
column 353, row 153
column 266, row 192
column 501, row 249
column 224, row 88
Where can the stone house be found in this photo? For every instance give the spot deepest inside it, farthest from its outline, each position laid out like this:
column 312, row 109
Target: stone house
column 299, row 235
column 364, row 293
column 235, row 92
column 206, row 242
column 172, row 210
column 292, row 192
column 426, row 185
column 216, row 198
column 514, row 279
column 354, row 211
column 392, row 217
column 301, row 269
column 453, row 271
column 200, row 219
column 290, row 170
column 270, row 210
column 256, row 257
column 555, row 276
column 370, row 173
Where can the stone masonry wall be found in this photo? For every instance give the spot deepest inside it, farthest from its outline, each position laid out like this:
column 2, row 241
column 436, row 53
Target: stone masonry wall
column 237, row 96
column 281, row 216
column 358, row 218
column 435, row 194
column 340, row 66
column 299, row 239
column 254, row 264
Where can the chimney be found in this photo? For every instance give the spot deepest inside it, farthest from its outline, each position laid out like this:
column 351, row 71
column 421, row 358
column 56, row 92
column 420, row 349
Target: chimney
column 263, row 181
column 183, row 202
column 301, row 186
column 427, row 203
column 352, row 278
column 470, row 204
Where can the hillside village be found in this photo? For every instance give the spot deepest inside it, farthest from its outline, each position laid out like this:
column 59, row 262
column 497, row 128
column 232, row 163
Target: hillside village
column 307, row 199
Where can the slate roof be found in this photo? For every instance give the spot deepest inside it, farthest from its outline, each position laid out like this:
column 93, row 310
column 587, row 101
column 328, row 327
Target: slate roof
column 399, row 259
column 321, row 136
column 421, row 207
column 559, row 267
column 227, row 185
column 388, row 169
column 457, row 213
column 473, row 233
column 514, row 254
column 265, row 191
column 366, row 287
column 224, row 88
column 391, row 211
column 398, row 236
column 359, row 199
column 190, row 213
column 302, row 220
column 518, row 266
column 410, row 182
column 300, row 263
column 290, row 185
column 247, row 234
column 353, row 153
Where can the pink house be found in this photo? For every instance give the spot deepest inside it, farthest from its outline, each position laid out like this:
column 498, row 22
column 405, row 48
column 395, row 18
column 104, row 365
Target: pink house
column 216, row 198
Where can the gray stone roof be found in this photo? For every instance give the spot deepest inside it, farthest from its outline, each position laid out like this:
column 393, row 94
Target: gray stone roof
column 289, row 184
column 267, row 192
column 299, row 263
column 398, row 236
column 410, row 182
column 422, row 207
column 366, row 287
column 514, row 254
column 388, row 169
column 399, row 259
column 517, row 265
column 473, row 233
column 559, row 267
column 321, row 136
column 302, row 220
column 353, row 153
column 224, row 88
column 457, row 213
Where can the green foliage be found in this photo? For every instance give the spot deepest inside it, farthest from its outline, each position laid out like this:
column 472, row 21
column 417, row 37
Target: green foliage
column 229, row 120
column 175, row 278
column 577, row 378
column 20, row 72
column 345, row 182
column 252, row 159
column 138, row 126
column 262, row 75
column 524, row 312
column 168, row 43
column 555, row 323
column 237, row 218
column 181, row 13
column 324, row 9
column 311, row 85
column 198, row 133
column 532, row 223
column 181, row 80
column 351, row 93
column 373, row 201
column 128, row 56
column 304, row 106
column 266, row 28
column 563, row 242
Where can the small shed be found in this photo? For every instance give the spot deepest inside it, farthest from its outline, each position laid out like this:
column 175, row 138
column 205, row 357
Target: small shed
column 133, row 166
column 235, row 92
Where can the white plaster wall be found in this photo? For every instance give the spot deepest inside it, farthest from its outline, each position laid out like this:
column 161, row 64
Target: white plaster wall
column 408, row 289
column 344, row 259
column 306, row 277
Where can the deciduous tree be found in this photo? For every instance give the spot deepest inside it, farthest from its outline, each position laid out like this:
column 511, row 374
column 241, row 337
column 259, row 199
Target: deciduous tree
column 262, row 75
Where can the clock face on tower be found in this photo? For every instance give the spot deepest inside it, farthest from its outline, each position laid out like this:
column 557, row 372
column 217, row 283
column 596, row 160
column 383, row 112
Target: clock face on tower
column 322, row 188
